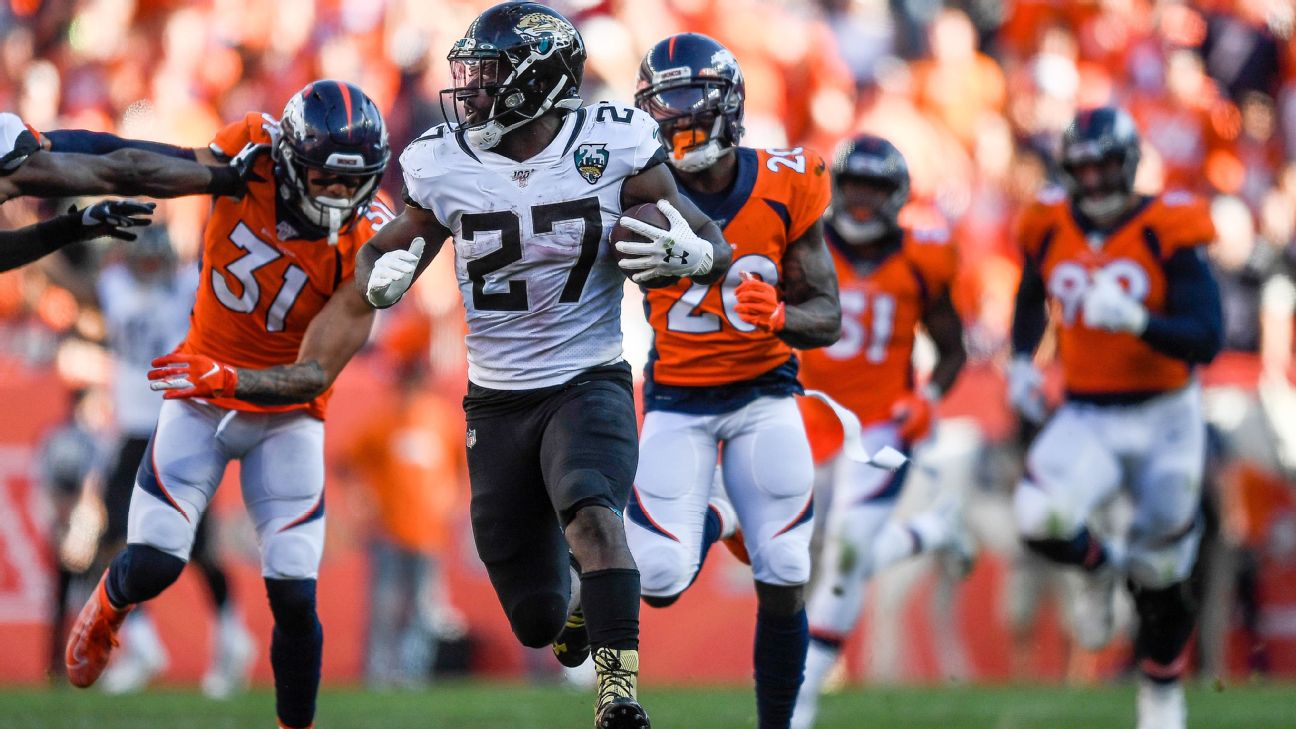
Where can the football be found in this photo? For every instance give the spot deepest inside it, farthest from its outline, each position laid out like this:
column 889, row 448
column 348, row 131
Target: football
column 648, row 213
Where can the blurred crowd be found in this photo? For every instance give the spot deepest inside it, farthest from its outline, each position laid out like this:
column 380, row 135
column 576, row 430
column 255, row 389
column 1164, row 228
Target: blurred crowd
column 975, row 93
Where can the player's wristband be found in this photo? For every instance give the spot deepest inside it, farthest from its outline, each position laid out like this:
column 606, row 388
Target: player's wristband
column 225, row 181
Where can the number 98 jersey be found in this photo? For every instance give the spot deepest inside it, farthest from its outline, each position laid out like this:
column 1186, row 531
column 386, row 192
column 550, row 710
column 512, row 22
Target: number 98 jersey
column 1097, row 362
column 263, row 277
column 541, row 290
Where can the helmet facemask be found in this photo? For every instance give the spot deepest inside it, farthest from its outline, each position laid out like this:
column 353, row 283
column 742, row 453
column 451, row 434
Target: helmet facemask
column 1105, row 192
column 515, row 85
column 865, row 209
column 333, row 214
column 698, row 120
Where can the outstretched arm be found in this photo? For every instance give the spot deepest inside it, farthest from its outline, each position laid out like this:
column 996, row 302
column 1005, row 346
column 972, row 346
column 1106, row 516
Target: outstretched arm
column 110, row 217
column 388, row 264
column 124, row 172
column 655, row 184
column 332, row 338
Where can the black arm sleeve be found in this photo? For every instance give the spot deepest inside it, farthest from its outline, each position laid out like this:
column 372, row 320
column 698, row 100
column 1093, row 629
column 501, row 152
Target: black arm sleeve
column 22, row 246
column 86, row 142
column 1192, row 329
column 1030, row 315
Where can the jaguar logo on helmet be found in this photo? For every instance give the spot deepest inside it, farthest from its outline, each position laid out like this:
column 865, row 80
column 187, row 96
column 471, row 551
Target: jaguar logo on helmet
column 540, row 25
column 591, row 161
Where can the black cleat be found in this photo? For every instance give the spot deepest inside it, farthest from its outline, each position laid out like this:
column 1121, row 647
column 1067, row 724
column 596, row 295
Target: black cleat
column 572, row 646
column 622, row 712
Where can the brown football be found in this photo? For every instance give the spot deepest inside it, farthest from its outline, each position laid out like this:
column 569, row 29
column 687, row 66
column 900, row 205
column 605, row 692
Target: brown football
column 648, row 213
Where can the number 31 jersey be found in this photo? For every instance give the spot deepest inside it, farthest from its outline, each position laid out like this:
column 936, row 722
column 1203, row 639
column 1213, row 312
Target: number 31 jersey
column 541, row 289
column 263, row 277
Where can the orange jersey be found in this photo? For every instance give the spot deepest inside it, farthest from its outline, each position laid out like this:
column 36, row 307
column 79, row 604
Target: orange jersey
column 261, row 284
column 699, row 340
column 870, row 366
column 1097, row 362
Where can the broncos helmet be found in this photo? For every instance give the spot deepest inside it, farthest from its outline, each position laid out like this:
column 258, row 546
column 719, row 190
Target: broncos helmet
column 693, row 87
column 333, row 127
column 876, row 163
column 1098, row 136
column 525, row 57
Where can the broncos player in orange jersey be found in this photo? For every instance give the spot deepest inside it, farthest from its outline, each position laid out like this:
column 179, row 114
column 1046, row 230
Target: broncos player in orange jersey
column 722, row 371
column 892, row 281
column 1136, row 307
column 276, row 318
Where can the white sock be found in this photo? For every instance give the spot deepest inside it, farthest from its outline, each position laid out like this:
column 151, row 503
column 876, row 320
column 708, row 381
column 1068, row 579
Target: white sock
column 895, row 543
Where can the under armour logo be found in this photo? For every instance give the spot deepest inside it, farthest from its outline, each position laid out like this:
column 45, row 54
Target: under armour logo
column 683, row 257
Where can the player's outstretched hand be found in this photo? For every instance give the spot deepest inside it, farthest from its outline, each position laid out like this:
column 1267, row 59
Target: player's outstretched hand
column 1026, row 389
column 392, row 275
column 113, row 218
column 758, row 304
column 674, row 252
column 244, row 161
column 192, row 375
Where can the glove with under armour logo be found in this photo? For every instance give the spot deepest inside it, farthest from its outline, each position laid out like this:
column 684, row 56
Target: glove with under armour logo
column 393, row 274
column 112, row 218
column 759, row 305
column 670, row 253
column 192, row 375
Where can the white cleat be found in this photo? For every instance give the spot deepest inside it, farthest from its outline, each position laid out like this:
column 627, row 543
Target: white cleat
column 231, row 667
column 133, row 671
column 1093, row 616
column 957, row 552
column 1161, row 705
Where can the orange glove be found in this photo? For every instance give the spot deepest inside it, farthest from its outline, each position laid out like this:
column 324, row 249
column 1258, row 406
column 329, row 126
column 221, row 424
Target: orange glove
column 912, row 415
column 758, row 304
column 192, row 375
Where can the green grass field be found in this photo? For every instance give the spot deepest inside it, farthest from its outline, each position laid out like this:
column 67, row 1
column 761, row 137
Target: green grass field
column 498, row 706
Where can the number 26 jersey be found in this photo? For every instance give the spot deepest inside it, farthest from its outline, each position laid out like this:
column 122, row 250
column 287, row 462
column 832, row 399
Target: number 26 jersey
column 541, row 288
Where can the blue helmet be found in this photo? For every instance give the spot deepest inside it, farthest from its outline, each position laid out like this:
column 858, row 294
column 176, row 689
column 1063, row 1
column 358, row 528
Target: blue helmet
column 694, row 89
column 1103, row 134
column 873, row 160
column 333, row 127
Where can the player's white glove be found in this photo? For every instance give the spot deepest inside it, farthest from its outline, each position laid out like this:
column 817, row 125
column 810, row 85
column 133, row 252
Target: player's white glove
column 668, row 253
column 1107, row 306
column 392, row 275
column 1026, row 388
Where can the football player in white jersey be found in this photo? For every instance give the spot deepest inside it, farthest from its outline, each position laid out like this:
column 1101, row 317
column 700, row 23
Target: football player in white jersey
column 528, row 183
column 25, row 169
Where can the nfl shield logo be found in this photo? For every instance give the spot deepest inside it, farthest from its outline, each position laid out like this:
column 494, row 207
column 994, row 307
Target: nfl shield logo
column 471, row 439
column 591, row 160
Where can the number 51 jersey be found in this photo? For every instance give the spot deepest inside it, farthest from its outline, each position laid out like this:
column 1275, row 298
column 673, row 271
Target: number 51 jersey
column 541, row 288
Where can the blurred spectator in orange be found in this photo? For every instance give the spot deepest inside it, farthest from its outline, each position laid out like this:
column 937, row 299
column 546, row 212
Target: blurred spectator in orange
column 958, row 84
column 411, row 462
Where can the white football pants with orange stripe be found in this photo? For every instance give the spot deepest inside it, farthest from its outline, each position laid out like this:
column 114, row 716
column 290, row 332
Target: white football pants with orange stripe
column 768, row 475
column 281, row 457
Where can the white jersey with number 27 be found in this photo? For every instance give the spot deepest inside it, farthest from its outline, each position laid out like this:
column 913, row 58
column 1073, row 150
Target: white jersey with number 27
column 541, row 288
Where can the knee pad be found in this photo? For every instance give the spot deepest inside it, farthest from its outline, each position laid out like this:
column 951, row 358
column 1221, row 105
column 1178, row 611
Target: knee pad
column 292, row 555
column 583, row 487
column 785, row 560
column 1158, row 563
column 142, row 572
column 1037, row 516
column 537, row 618
column 664, row 570
column 293, row 604
column 158, row 524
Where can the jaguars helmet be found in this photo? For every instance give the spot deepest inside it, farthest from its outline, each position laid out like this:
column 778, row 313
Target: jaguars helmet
column 1096, row 136
column 876, row 162
column 525, row 57
column 333, row 127
column 693, row 87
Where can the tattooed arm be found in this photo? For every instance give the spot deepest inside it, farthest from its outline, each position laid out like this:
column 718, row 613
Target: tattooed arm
column 813, row 311
column 332, row 338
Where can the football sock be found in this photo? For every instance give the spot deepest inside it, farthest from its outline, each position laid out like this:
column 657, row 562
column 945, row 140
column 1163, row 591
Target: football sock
column 140, row 573
column 296, row 649
column 1083, row 550
column 780, row 659
column 217, row 584
column 820, row 657
column 610, row 601
column 1167, row 618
